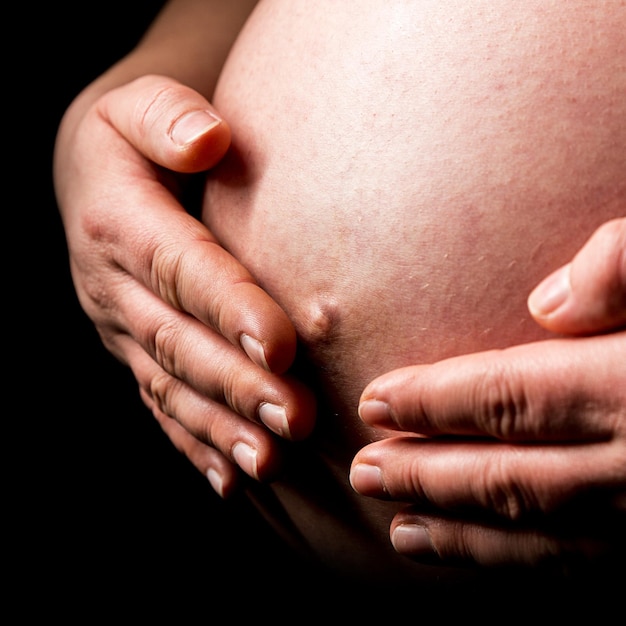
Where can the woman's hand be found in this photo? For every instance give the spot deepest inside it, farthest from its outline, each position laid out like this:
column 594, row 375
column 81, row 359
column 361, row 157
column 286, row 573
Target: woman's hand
column 518, row 455
column 208, row 347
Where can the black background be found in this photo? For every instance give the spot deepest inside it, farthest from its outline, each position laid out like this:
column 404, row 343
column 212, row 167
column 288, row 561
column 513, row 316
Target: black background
column 107, row 508
column 105, row 511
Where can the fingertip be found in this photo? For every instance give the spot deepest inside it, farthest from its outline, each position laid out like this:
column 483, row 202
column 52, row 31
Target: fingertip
column 191, row 126
column 587, row 295
column 413, row 540
column 224, row 481
column 376, row 413
column 280, row 351
column 302, row 411
column 276, row 357
column 275, row 418
column 255, row 351
column 550, row 295
column 202, row 137
column 261, row 459
column 216, row 481
column 261, row 327
column 368, row 480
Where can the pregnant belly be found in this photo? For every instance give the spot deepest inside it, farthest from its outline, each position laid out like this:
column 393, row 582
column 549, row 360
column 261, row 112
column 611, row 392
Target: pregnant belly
column 401, row 184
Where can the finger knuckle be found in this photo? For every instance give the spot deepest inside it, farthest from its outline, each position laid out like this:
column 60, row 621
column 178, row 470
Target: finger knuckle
column 501, row 402
column 166, row 268
column 411, row 481
column 170, row 398
column 232, row 385
column 158, row 99
column 166, row 341
column 503, row 494
column 162, row 391
column 172, row 347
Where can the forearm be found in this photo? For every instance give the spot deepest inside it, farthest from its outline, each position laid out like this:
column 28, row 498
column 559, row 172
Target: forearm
column 189, row 41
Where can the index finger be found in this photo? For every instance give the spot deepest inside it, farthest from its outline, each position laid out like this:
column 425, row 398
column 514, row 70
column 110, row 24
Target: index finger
column 178, row 259
column 557, row 389
column 153, row 239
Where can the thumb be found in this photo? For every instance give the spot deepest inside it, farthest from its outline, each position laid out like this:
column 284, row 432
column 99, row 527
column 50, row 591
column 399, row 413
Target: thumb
column 167, row 122
column 587, row 295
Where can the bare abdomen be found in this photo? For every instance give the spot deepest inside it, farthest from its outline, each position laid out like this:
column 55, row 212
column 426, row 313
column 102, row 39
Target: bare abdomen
column 403, row 174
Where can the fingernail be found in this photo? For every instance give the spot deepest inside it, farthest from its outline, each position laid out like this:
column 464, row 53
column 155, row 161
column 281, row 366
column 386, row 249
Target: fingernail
column 275, row 418
column 192, row 125
column 367, row 480
column 412, row 539
column 245, row 457
column 375, row 412
column 216, row 481
column 254, row 349
column 550, row 294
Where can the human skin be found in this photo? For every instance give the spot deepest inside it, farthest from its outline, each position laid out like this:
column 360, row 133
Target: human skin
column 139, row 261
column 571, row 428
column 400, row 203
column 165, row 299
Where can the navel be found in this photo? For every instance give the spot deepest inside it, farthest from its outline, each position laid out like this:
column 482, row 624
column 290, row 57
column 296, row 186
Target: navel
column 318, row 323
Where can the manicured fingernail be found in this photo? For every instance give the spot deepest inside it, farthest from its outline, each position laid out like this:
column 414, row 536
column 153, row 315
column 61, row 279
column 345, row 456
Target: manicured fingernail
column 367, row 480
column 375, row 412
column 216, row 481
column 254, row 349
column 192, row 125
column 275, row 418
column 245, row 457
column 550, row 294
column 412, row 539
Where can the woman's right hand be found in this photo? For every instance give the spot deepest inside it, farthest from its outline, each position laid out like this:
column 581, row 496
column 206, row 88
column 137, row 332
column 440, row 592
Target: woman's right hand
column 533, row 436
column 208, row 347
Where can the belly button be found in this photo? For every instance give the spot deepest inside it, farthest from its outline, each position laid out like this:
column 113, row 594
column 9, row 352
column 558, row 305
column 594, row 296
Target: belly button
column 320, row 322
